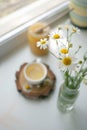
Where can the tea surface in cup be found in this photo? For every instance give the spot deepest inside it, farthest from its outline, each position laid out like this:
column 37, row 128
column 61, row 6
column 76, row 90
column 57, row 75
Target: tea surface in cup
column 35, row 71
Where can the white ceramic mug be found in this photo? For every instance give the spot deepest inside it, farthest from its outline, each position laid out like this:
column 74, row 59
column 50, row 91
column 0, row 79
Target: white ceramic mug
column 35, row 72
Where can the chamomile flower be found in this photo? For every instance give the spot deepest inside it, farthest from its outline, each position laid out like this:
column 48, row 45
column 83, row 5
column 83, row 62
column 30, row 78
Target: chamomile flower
column 56, row 35
column 67, row 62
column 64, row 50
column 27, row 88
column 75, row 30
column 61, row 47
column 43, row 43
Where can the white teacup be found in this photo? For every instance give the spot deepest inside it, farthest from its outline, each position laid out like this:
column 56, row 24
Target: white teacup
column 35, row 72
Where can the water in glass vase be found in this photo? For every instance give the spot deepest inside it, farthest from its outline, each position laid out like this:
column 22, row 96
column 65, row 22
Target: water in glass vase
column 66, row 98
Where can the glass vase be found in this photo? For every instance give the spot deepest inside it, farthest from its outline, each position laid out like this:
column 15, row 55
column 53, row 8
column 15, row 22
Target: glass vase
column 66, row 98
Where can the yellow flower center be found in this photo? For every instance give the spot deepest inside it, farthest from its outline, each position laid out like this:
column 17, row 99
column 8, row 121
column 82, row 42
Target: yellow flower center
column 64, row 50
column 74, row 30
column 67, row 61
column 43, row 42
column 56, row 36
column 27, row 87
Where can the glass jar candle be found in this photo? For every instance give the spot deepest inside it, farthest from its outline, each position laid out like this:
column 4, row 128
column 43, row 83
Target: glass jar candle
column 36, row 32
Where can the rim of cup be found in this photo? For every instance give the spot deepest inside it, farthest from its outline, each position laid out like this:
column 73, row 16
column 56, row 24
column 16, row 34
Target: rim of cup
column 33, row 81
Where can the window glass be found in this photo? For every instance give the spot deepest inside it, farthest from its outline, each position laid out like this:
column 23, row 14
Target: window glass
column 9, row 6
column 15, row 13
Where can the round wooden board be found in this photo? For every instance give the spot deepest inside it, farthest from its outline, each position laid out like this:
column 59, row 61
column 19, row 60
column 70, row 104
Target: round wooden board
column 40, row 90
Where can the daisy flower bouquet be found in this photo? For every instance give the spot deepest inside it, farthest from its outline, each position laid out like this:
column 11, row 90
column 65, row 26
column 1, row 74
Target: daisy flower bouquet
column 74, row 69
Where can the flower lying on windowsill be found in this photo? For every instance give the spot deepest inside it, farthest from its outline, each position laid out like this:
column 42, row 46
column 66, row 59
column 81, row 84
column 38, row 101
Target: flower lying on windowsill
column 74, row 70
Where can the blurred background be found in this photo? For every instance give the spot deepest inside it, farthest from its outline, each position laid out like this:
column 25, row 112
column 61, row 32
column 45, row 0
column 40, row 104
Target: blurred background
column 15, row 13
column 9, row 6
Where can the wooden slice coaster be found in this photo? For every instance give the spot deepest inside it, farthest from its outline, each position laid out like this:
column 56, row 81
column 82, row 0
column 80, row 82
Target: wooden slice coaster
column 40, row 90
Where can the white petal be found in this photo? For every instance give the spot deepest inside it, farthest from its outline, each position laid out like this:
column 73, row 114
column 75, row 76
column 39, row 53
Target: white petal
column 41, row 47
column 38, row 44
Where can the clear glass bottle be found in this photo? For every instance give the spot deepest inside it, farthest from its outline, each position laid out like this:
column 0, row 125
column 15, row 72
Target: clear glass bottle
column 66, row 98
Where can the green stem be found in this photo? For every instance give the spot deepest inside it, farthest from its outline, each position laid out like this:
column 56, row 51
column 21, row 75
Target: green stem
column 69, row 37
column 82, row 74
column 77, row 50
column 53, row 54
column 80, row 70
column 66, row 78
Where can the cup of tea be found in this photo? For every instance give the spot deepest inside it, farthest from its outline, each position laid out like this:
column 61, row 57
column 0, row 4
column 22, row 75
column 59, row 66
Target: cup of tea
column 35, row 73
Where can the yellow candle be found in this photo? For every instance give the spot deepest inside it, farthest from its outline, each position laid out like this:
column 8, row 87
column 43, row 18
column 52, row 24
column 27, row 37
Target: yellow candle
column 34, row 36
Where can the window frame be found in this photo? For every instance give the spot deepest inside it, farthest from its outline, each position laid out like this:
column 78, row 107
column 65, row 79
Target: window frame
column 14, row 35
